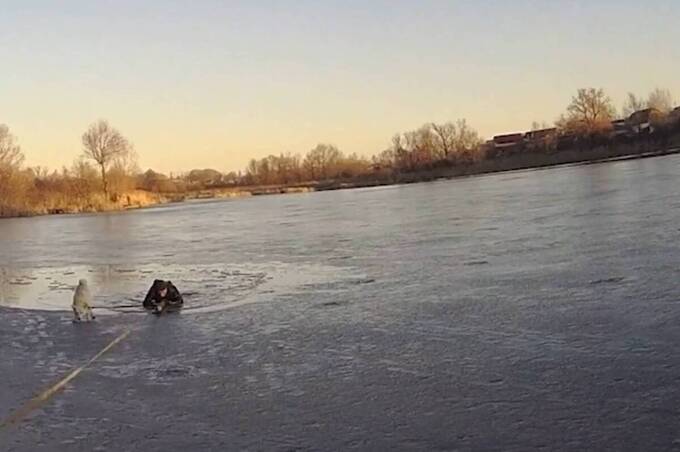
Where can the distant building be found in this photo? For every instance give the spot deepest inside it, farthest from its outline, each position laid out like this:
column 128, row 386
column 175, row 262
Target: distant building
column 642, row 121
column 504, row 144
column 541, row 137
column 619, row 128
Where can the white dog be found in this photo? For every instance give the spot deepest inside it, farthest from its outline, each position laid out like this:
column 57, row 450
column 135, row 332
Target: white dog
column 82, row 299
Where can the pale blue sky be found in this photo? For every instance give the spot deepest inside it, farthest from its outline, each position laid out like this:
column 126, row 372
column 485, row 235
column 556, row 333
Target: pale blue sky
column 214, row 83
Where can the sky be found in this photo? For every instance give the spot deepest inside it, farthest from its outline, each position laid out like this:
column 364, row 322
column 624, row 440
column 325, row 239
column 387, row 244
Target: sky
column 212, row 84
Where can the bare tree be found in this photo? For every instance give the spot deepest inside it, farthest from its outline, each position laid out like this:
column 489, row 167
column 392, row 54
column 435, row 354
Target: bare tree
column 591, row 110
column 14, row 182
column 446, row 137
column 122, row 173
column 252, row 172
column 402, row 154
column 287, row 168
column 104, row 144
column 321, row 161
column 420, row 148
column 632, row 104
column 467, row 139
column 83, row 179
column 352, row 166
column 422, row 145
column 10, row 152
column 661, row 99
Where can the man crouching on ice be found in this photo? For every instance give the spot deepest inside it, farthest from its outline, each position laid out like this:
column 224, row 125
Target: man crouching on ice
column 162, row 296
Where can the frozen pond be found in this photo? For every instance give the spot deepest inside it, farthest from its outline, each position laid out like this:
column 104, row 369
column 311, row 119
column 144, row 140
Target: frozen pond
column 531, row 310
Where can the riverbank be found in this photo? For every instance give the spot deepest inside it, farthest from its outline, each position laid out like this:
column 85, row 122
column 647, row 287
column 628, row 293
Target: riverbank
column 140, row 199
column 509, row 163
column 59, row 204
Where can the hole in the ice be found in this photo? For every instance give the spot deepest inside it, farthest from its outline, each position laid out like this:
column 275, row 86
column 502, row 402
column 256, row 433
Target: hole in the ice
column 205, row 288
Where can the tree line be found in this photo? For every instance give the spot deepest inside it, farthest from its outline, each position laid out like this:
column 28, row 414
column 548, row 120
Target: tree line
column 592, row 111
column 107, row 171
